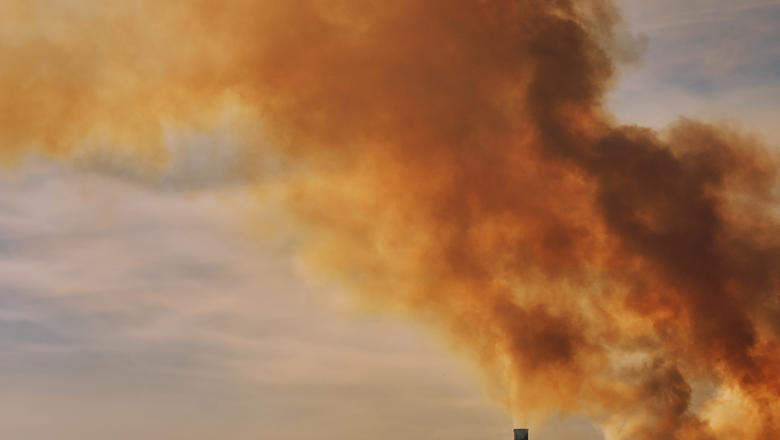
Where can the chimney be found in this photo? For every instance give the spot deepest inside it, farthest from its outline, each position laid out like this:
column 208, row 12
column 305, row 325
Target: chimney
column 521, row 434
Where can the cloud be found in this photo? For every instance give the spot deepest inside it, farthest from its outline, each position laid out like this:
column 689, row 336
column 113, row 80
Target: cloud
column 702, row 61
column 466, row 174
column 132, row 312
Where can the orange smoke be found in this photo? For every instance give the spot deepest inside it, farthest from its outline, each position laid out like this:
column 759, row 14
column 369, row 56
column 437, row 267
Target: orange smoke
column 453, row 160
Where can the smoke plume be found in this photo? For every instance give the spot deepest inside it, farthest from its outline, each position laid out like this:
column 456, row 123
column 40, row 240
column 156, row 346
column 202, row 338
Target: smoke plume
column 452, row 160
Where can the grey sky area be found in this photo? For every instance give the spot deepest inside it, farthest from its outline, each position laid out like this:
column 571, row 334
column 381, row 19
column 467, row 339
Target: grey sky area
column 131, row 310
column 716, row 60
column 133, row 313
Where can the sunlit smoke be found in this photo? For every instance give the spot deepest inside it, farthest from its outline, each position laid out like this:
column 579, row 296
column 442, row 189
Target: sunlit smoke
column 453, row 161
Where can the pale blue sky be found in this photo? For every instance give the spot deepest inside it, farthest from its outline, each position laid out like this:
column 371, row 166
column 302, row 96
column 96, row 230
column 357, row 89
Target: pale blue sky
column 717, row 60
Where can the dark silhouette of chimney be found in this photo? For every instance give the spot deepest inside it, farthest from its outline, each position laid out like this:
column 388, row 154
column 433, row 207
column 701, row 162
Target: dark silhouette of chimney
column 521, row 434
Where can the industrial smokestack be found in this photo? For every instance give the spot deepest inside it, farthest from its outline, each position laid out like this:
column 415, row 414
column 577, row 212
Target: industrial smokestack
column 521, row 434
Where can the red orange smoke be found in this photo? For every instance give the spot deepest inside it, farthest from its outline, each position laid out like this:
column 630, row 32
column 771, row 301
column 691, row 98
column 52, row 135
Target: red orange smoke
column 453, row 160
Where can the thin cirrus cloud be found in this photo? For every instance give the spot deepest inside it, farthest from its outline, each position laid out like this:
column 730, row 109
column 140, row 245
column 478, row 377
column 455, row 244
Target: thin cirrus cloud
column 717, row 60
column 128, row 311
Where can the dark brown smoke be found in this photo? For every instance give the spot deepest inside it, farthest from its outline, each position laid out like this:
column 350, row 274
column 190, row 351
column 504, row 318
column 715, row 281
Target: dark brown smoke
column 453, row 160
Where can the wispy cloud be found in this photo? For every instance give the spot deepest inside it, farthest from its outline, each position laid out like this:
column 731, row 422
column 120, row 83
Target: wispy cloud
column 716, row 60
column 130, row 312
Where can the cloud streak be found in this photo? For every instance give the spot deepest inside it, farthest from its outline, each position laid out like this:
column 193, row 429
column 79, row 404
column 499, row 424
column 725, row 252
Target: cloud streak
column 126, row 311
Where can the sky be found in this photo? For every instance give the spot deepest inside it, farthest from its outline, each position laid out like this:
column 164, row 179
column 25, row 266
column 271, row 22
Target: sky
column 710, row 59
column 137, row 308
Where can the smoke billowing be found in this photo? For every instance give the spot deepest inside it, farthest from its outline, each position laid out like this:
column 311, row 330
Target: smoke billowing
column 452, row 160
